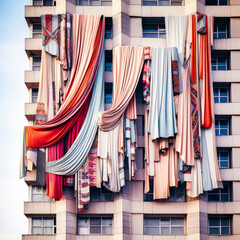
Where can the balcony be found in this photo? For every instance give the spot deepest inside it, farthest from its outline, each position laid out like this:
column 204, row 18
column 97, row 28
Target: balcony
column 33, row 46
column 38, row 237
column 31, row 177
column 226, row 44
column 33, row 13
column 33, row 208
column 31, row 79
column 226, row 76
column 30, row 111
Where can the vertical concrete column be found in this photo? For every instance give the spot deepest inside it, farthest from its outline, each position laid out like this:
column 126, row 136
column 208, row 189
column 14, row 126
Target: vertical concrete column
column 66, row 216
column 235, row 158
column 122, row 214
column 121, row 23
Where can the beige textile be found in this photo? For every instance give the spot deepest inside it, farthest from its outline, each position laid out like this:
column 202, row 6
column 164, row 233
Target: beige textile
column 127, row 67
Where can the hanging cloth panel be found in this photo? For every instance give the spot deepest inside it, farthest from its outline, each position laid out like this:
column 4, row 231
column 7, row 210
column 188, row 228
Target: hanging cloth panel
column 50, row 30
column 162, row 119
column 77, row 154
column 55, row 183
column 88, row 34
column 176, row 33
column 204, row 67
column 127, row 67
column 194, row 92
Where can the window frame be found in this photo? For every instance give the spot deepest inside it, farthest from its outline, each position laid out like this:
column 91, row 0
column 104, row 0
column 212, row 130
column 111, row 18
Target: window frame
column 160, row 225
column 88, row 226
column 228, row 151
column 54, row 228
column 42, row 194
column 218, row 126
column 94, row 2
column 220, row 225
column 148, row 197
column 219, row 193
column 103, row 192
column 218, row 3
column 219, row 97
column 37, row 33
column 36, row 65
column 157, row 3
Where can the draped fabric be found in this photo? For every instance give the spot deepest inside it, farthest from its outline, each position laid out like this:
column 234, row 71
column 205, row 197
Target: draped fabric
column 176, row 33
column 162, row 119
column 88, row 33
column 204, row 68
column 127, row 67
column 55, row 183
column 50, row 30
column 194, row 92
column 77, row 154
column 62, row 47
column 184, row 142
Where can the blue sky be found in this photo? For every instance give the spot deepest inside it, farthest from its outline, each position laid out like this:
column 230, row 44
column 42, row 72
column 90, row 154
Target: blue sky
column 13, row 94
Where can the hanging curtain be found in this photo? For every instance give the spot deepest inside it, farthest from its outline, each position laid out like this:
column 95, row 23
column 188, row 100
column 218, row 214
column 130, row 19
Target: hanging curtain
column 88, row 34
column 162, row 119
column 72, row 161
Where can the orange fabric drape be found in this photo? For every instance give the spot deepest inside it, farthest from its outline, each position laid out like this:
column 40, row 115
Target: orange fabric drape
column 88, row 35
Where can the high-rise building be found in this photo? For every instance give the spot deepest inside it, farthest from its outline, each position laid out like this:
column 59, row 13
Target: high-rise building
column 131, row 214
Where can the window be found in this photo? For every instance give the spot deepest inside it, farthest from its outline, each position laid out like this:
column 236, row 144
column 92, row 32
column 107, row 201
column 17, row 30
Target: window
column 221, row 27
column 36, row 65
column 224, row 157
column 108, row 92
column 108, row 27
column 221, row 195
column 216, row 2
column 220, row 60
column 100, row 195
column 164, row 225
column 140, row 125
column 44, row 225
column 44, row 3
column 221, row 94
column 219, row 225
column 39, row 194
column 94, row 2
column 176, row 194
column 108, row 60
column 162, row 2
column 95, row 225
column 34, row 95
column 37, row 31
column 222, row 126
column 153, row 28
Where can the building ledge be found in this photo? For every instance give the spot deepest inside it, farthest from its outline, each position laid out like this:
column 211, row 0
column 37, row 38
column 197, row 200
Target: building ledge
column 231, row 174
column 228, row 141
column 31, row 79
column 33, row 13
column 105, row 10
column 227, row 108
column 226, row 76
column 33, row 46
column 226, row 44
column 30, row 111
column 223, row 11
column 37, row 208
column 38, row 237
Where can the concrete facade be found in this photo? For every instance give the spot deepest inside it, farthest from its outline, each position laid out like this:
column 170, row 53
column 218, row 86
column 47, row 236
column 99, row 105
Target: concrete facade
column 129, row 208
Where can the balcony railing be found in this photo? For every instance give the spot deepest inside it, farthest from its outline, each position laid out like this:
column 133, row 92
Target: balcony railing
column 94, row 2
